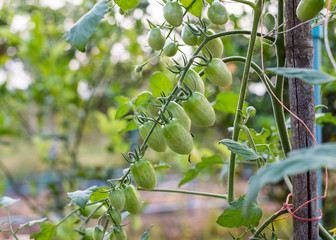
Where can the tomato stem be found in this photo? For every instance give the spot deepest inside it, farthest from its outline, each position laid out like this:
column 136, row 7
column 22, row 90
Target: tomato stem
column 214, row 195
column 256, row 17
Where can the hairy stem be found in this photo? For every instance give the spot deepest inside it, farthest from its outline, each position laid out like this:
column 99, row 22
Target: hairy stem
column 214, row 195
column 242, row 96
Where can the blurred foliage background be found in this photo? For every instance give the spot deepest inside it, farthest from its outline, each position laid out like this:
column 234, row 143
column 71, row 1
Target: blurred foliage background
column 60, row 117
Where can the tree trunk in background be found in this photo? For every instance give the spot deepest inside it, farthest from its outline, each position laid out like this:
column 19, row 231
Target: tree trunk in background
column 299, row 54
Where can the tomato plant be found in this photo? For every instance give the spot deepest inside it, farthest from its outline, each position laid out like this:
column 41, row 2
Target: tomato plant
column 179, row 99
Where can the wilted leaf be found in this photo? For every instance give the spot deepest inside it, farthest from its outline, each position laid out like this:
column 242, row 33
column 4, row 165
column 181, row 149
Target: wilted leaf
column 8, row 201
column 33, row 222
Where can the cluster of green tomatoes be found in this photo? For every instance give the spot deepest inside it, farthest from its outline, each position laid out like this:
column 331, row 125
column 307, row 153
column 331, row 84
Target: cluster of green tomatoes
column 173, row 115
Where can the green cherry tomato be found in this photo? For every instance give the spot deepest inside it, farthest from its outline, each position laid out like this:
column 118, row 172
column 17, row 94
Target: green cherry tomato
column 143, row 174
column 117, row 199
column 179, row 113
column 114, row 216
column 98, row 233
column 199, row 110
column 88, row 233
column 215, row 46
column 217, row 13
column 177, row 137
column 308, row 9
column 188, row 36
column 156, row 40
column 193, row 81
column 119, row 233
column 170, row 49
column 133, row 202
column 90, row 208
column 173, row 14
column 218, row 73
column 156, row 140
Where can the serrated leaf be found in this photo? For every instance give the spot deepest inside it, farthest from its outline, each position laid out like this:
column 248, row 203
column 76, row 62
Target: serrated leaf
column 196, row 6
column 131, row 125
column 8, row 201
column 258, row 137
column 298, row 161
column 47, row 232
column 126, row 4
column 122, row 110
column 240, row 149
column 308, row 76
column 227, row 102
column 232, row 216
column 33, row 222
column 146, row 234
column 82, row 197
column 323, row 118
column 83, row 29
column 189, row 175
column 122, row 99
column 100, row 194
column 160, row 82
column 142, row 98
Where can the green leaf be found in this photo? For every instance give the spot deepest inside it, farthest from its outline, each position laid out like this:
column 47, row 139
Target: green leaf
column 33, row 222
column 208, row 161
column 146, row 234
column 258, row 137
column 122, row 99
column 196, row 6
column 122, row 110
column 232, row 216
column 127, row 4
column 298, row 161
column 100, row 194
column 82, row 197
column 209, row 1
column 189, row 175
column 240, row 149
column 227, row 102
column 308, row 76
column 47, row 232
column 142, row 98
column 131, row 125
column 160, row 82
column 322, row 118
column 83, row 29
column 7, row 201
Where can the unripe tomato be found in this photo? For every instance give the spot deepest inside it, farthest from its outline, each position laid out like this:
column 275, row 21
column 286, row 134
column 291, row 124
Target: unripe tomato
column 115, row 215
column 199, row 110
column 215, row 46
column 88, row 233
column 218, row 73
column 308, row 9
column 193, row 81
column 173, row 14
column 156, row 40
column 170, row 49
column 117, row 199
column 90, row 208
column 119, row 233
column 155, row 141
column 188, row 36
column 133, row 202
column 98, row 233
column 143, row 174
column 217, row 13
column 177, row 137
column 179, row 113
